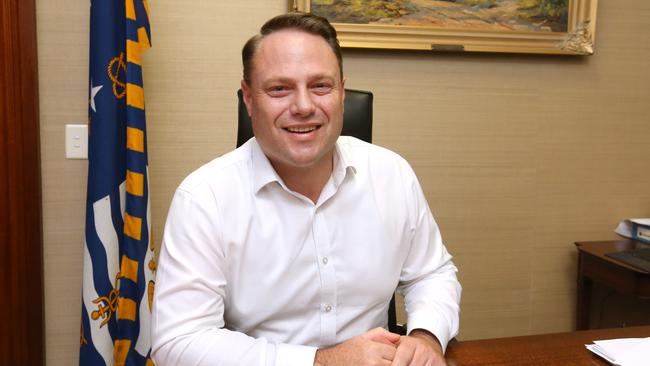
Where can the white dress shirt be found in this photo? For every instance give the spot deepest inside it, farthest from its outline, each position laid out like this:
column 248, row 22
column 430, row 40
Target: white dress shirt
column 252, row 273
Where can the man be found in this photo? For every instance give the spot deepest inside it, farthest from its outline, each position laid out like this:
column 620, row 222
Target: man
column 287, row 250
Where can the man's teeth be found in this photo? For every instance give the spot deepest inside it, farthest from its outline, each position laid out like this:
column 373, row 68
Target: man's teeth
column 301, row 129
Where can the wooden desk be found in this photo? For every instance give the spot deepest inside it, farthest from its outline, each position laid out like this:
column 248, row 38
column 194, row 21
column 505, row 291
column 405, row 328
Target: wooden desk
column 559, row 349
column 593, row 265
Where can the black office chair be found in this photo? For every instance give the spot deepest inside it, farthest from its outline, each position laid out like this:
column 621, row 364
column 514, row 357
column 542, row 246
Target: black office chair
column 357, row 122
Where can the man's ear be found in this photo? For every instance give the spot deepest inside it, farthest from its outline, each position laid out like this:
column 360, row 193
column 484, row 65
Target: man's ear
column 246, row 91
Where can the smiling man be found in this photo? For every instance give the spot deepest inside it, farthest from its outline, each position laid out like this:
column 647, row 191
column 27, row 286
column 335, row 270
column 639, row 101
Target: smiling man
column 294, row 96
column 287, row 250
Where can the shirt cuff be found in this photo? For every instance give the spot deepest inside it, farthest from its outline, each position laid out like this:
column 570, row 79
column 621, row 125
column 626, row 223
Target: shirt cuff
column 430, row 323
column 294, row 355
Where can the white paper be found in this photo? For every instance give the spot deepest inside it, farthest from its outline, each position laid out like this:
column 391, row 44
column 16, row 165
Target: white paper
column 645, row 222
column 593, row 348
column 624, row 228
column 637, row 355
column 623, row 351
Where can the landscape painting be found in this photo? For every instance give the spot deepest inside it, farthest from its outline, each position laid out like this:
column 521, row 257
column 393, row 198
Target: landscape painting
column 527, row 26
column 500, row 15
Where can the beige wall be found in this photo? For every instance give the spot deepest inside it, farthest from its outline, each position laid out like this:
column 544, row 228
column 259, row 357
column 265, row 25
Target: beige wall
column 519, row 156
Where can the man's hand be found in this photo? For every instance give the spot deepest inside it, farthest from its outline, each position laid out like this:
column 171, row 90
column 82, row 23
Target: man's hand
column 375, row 347
column 420, row 348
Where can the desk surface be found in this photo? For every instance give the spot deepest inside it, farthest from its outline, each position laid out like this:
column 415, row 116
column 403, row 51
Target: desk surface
column 560, row 349
column 599, row 249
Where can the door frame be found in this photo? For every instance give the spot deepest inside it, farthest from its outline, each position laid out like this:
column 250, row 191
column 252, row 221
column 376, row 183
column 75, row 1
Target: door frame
column 21, row 232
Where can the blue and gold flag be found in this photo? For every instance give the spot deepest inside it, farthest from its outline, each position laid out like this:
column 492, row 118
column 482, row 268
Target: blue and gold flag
column 119, row 267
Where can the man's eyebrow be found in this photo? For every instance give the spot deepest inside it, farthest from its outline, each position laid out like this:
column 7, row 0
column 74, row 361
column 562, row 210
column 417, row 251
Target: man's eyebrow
column 323, row 76
column 286, row 80
column 274, row 80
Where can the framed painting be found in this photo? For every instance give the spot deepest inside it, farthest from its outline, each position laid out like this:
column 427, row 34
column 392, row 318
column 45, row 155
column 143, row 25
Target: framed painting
column 518, row 26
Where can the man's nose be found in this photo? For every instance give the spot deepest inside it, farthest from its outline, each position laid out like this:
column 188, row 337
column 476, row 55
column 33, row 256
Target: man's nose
column 302, row 103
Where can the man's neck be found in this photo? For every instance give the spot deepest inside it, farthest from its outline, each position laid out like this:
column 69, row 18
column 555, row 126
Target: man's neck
column 308, row 181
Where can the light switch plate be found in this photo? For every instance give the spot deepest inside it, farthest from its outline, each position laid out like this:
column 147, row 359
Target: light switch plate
column 76, row 141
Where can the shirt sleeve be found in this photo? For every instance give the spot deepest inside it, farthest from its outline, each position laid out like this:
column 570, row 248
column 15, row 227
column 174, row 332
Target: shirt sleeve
column 428, row 278
column 188, row 327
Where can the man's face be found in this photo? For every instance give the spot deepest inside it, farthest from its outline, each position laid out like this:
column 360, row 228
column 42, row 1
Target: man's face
column 295, row 100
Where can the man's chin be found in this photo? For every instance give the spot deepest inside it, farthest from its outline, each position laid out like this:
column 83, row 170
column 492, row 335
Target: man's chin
column 307, row 159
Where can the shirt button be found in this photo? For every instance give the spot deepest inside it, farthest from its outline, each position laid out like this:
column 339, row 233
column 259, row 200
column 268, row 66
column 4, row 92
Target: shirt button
column 325, row 260
column 328, row 308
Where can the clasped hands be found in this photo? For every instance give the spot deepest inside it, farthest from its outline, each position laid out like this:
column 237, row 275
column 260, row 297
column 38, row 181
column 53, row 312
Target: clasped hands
column 379, row 347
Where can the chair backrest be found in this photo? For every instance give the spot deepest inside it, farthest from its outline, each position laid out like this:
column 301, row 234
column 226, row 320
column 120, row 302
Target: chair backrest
column 357, row 117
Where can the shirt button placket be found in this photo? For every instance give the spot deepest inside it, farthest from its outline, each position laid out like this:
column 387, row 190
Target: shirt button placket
column 328, row 279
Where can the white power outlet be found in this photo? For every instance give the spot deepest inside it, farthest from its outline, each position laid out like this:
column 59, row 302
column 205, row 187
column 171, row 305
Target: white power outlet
column 76, row 141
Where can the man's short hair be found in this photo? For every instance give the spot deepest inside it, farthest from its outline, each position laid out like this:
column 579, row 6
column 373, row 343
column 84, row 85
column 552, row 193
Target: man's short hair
column 308, row 23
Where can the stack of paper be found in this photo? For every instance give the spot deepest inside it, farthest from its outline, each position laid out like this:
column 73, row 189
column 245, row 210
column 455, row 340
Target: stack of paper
column 637, row 229
column 623, row 351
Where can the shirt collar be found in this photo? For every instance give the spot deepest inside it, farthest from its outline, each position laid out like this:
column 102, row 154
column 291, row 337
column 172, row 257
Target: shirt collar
column 342, row 163
column 263, row 172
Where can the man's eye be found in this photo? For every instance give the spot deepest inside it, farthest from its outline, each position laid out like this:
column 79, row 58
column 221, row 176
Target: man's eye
column 322, row 87
column 278, row 90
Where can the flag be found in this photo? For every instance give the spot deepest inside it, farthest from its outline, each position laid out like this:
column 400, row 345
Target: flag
column 119, row 267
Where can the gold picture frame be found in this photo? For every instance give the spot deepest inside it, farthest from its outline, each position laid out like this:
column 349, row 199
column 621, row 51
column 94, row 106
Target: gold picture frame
column 575, row 36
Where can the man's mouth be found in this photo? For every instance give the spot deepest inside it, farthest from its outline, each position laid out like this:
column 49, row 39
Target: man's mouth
column 302, row 129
